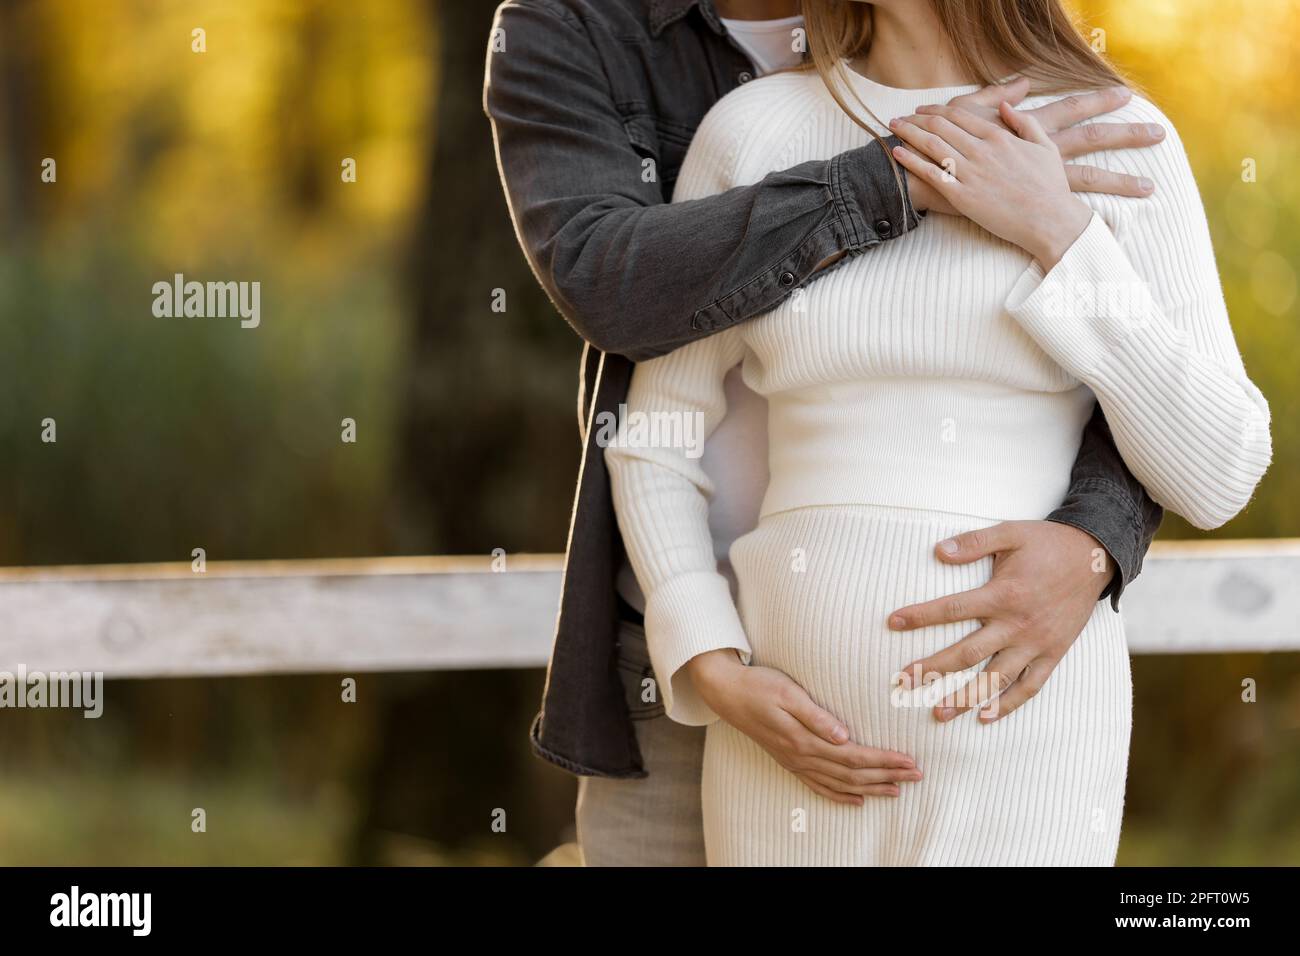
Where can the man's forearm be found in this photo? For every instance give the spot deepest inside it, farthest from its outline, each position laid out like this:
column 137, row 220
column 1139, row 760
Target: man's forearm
column 1110, row 504
column 631, row 272
column 688, row 270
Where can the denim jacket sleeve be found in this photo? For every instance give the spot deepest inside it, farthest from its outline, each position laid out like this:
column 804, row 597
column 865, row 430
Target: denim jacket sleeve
column 633, row 274
column 1109, row 503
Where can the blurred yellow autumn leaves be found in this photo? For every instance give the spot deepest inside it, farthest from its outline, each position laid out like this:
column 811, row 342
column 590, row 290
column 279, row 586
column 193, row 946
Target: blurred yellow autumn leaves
column 189, row 143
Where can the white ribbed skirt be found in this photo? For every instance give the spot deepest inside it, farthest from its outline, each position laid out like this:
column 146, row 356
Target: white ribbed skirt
column 1042, row 786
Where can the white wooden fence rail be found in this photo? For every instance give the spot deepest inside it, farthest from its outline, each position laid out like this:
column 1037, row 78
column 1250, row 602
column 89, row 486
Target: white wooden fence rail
column 392, row 614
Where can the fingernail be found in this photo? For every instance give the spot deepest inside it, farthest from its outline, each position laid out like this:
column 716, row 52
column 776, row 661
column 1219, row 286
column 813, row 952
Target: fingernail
column 1124, row 92
column 988, row 715
column 893, row 123
column 948, row 546
column 1146, row 185
column 897, row 622
column 839, row 735
column 1156, row 130
column 946, row 713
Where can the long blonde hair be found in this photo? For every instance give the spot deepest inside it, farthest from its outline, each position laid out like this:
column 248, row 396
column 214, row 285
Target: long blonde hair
column 1035, row 38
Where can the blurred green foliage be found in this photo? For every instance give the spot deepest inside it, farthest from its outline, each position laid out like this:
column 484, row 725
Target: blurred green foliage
column 178, row 433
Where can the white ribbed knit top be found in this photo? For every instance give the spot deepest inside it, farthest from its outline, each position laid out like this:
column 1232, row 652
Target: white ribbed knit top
column 942, row 370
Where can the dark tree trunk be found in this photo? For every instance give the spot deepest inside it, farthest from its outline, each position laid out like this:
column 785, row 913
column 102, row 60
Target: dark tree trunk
column 488, row 400
column 488, row 395
column 25, row 109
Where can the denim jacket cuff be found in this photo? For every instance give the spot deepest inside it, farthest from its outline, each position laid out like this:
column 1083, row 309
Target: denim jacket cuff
column 1107, row 512
column 867, row 194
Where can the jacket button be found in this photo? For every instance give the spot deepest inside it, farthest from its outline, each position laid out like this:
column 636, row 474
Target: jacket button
column 786, row 279
column 883, row 227
column 745, row 76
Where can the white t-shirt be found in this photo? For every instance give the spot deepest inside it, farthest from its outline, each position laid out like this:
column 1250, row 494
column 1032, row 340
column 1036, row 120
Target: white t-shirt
column 735, row 457
column 769, row 44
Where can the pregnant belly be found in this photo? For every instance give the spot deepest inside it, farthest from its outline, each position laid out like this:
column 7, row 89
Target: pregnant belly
column 816, row 586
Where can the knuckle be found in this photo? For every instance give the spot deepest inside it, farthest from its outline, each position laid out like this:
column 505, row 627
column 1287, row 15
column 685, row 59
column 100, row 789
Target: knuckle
column 955, row 608
column 1137, row 131
column 971, row 653
column 1073, row 104
column 1094, row 133
column 1090, row 175
column 1002, row 680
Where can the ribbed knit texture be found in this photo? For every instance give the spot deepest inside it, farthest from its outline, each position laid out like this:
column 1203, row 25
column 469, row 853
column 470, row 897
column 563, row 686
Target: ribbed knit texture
column 935, row 376
column 1045, row 786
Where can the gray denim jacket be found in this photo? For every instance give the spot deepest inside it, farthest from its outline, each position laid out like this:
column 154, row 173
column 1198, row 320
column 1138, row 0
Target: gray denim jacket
column 593, row 104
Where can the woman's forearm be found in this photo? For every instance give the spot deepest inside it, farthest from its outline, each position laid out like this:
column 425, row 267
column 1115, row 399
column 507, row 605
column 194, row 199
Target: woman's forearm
column 1191, row 426
column 661, row 498
column 1143, row 324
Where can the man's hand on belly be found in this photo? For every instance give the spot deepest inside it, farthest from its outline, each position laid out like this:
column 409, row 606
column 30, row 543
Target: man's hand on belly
column 1047, row 578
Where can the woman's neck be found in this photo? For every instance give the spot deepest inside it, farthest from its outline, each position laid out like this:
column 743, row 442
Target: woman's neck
column 909, row 49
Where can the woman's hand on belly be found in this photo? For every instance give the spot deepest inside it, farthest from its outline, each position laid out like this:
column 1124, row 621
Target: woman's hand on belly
column 1047, row 578
column 776, row 713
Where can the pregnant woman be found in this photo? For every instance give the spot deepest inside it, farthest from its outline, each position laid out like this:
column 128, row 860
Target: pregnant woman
column 937, row 386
